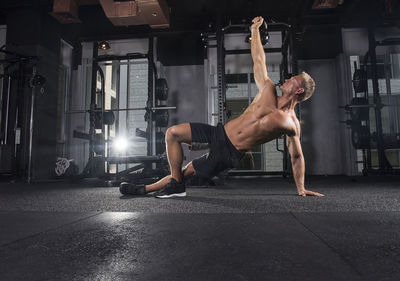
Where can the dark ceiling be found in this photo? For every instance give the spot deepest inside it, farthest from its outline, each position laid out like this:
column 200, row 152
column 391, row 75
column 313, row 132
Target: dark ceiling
column 199, row 14
column 190, row 17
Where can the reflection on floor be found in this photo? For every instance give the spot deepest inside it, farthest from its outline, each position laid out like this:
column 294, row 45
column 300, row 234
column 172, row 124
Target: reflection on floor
column 246, row 229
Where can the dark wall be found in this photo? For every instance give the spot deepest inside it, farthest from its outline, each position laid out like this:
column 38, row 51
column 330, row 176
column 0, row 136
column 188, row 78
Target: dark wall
column 35, row 33
column 320, row 42
column 23, row 28
column 180, row 49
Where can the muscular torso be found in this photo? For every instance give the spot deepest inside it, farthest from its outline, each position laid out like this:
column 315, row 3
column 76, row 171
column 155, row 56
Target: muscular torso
column 262, row 121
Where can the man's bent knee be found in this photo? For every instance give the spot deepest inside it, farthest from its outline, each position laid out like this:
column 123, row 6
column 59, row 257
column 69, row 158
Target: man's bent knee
column 180, row 133
column 171, row 134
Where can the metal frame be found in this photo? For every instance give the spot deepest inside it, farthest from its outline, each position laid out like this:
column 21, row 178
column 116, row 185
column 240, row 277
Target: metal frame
column 17, row 127
column 289, row 40
column 148, row 162
column 384, row 165
column 88, row 170
column 221, row 73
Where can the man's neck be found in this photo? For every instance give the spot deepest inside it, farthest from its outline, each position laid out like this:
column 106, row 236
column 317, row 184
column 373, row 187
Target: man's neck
column 286, row 102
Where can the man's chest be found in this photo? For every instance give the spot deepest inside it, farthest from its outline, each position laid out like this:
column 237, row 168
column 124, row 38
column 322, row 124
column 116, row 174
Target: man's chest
column 277, row 121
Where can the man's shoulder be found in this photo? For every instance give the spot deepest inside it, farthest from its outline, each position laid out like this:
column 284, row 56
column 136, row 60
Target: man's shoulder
column 293, row 124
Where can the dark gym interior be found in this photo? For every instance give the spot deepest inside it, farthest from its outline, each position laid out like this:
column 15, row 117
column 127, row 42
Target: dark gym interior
column 89, row 88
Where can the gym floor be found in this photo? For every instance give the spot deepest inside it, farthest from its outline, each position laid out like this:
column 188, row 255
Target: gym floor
column 245, row 229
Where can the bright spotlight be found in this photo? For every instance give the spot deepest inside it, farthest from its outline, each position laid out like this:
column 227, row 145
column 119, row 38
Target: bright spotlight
column 121, row 144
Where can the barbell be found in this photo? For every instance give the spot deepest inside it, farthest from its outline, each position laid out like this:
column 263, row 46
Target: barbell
column 122, row 109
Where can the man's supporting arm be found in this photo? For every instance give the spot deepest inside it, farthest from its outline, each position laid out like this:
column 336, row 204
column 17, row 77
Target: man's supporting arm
column 298, row 166
column 258, row 54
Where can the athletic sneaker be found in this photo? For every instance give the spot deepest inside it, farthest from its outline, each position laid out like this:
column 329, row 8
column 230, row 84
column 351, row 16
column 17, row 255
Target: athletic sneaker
column 172, row 189
column 127, row 188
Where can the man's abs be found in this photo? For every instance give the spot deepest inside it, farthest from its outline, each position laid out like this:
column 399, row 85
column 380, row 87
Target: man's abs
column 249, row 130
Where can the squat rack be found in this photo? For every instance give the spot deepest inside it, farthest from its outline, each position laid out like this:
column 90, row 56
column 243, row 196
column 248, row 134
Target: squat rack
column 359, row 108
column 384, row 165
column 92, row 167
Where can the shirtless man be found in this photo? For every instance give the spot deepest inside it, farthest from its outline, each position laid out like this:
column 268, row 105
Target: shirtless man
column 267, row 118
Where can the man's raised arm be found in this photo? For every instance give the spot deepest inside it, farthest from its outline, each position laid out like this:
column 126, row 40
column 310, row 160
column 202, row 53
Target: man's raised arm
column 258, row 55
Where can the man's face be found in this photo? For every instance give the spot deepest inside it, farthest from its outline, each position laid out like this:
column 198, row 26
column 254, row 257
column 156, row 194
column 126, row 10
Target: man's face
column 293, row 84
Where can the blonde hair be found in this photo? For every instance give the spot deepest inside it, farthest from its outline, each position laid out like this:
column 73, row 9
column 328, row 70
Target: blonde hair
column 308, row 85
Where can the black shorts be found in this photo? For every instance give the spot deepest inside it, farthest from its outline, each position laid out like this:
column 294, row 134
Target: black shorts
column 223, row 155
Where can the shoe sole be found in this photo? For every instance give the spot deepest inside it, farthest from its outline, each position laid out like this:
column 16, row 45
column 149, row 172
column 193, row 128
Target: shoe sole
column 183, row 194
